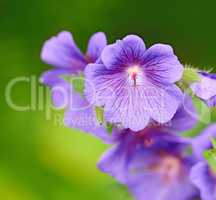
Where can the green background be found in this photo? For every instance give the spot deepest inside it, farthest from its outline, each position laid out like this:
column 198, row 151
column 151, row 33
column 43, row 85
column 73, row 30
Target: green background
column 40, row 160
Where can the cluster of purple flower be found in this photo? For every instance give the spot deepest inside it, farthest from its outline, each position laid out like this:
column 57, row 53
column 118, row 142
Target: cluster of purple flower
column 130, row 97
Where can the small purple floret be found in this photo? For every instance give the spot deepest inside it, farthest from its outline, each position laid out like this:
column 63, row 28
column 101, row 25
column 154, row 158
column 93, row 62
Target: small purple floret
column 205, row 89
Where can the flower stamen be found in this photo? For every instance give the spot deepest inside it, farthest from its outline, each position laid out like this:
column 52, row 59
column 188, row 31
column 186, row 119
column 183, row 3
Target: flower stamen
column 133, row 73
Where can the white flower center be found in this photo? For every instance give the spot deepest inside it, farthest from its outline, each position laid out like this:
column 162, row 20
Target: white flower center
column 135, row 75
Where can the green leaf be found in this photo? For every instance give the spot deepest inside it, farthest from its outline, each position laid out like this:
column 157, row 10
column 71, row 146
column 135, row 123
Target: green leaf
column 190, row 75
column 204, row 114
column 210, row 156
column 99, row 114
column 121, row 191
column 100, row 118
column 213, row 140
column 109, row 127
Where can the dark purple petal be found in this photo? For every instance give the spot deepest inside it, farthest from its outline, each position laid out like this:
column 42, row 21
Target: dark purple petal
column 62, row 52
column 211, row 102
column 115, row 161
column 203, row 141
column 161, row 65
column 96, row 44
column 139, row 160
column 204, row 181
column 209, row 75
column 128, row 51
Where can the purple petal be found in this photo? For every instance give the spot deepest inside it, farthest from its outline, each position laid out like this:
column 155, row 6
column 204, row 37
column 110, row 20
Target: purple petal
column 203, row 141
column 60, row 89
column 62, row 52
column 146, row 182
column 185, row 117
column 151, row 188
column 117, row 159
column 113, row 162
column 211, row 102
column 147, row 189
column 128, row 51
column 90, row 72
column 61, row 95
column 202, row 179
column 96, row 44
column 161, row 65
column 158, row 103
column 52, row 77
column 81, row 115
column 209, row 75
column 205, row 88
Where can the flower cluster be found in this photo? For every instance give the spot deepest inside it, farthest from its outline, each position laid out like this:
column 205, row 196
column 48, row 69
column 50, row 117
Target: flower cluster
column 135, row 99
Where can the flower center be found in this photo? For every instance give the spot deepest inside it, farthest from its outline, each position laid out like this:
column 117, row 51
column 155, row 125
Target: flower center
column 134, row 74
column 170, row 168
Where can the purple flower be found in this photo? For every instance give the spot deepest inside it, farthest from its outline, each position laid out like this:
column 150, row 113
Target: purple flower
column 205, row 89
column 135, row 85
column 153, row 162
column 62, row 52
column 201, row 174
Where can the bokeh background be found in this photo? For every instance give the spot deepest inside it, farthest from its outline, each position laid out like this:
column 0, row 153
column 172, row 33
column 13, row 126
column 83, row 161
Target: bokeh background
column 42, row 160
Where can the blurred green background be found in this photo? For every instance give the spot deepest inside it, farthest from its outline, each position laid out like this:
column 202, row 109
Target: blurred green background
column 40, row 160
